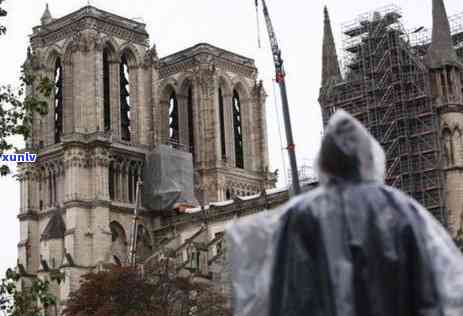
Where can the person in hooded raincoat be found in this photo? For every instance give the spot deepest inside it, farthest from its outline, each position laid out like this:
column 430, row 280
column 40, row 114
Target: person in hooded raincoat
column 351, row 247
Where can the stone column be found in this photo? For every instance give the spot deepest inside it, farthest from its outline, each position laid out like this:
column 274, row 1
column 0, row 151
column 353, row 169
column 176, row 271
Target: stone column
column 134, row 104
column 68, row 97
column 229, row 129
column 183, row 120
column 99, row 95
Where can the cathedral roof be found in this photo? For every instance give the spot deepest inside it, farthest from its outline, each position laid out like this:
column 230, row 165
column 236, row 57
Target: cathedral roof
column 55, row 228
column 330, row 64
column 207, row 48
column 100, row 19
column 441, row 52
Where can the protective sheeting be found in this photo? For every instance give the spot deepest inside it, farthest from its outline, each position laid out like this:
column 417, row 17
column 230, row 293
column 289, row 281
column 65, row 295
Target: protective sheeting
column 351, row 247
column 168, row 179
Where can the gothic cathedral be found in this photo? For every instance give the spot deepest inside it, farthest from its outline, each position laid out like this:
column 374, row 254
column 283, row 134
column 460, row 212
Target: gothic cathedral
column 114, row 100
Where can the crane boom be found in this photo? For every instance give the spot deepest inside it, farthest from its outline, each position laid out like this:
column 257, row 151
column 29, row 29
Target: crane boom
column 280, row 79
column 134, row 229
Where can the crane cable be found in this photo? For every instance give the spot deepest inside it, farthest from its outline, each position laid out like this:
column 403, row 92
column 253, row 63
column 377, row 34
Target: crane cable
column 258, row 23
column 282, row 150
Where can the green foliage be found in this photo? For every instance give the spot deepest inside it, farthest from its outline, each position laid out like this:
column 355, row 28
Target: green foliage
column 160, row 290
column 2, row 14
column 32, row 300
column 17, row 108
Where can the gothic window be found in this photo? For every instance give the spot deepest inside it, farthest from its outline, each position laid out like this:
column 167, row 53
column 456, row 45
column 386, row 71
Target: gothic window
column 193, row 254
column 173, row 118
column 443, row 84
column 237, row 130
column 222, row 124
column 191, row 135
column 125, row 98
column 132, row 183
column 131, row 186
column 448, row 70
column 118, row 242
column 111, row 181
column 54, row 189
column 447, row 137
column 50, row 190
column 58, row 102
column 106, row 89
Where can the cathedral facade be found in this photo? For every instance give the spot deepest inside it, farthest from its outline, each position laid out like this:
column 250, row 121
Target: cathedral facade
column 113, row 101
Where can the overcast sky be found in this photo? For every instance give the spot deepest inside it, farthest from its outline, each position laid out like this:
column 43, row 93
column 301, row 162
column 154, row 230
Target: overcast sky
column 230, row 24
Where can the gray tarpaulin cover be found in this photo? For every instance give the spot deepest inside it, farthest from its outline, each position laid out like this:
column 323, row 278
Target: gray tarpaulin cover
column 168, row 179
column 353, row 246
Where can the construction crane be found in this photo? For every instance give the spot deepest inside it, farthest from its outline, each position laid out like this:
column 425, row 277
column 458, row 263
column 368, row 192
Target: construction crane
column 280, row 79
column 134, row 229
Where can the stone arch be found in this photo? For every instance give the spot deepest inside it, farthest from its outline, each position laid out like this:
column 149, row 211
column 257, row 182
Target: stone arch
column 133, row 57
column 111, row 44
column 118, row 241
column 168, row 85
column 242, row 88
column 68, row 50
column 226, row 83
column 51, row 55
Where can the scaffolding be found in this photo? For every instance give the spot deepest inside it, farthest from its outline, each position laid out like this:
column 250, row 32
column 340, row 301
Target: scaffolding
column 386, row 86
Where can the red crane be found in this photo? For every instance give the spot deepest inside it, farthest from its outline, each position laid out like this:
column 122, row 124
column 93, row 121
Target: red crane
column 280, row 79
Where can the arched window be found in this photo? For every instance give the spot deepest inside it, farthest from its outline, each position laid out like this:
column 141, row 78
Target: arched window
column 111, row 181
column 106, row 89
column 132, row 178
column 222, row 124
column 228, row 194
column 125, row 98
column 118, row 242
column 117, row 261
column 237, row 130
column 191, row 133
column 447, row 137
column 173, row 118
column 58, row 104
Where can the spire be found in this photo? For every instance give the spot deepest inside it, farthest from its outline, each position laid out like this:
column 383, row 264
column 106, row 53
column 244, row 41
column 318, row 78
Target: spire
column 330, row 65
column 441, row 51
column 46, row 16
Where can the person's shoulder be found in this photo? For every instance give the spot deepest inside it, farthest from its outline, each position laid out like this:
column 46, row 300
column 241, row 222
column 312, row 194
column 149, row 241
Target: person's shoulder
column 306, row 198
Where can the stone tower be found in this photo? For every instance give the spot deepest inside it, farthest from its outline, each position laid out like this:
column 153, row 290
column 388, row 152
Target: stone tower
column 408, row 92
column 113, row 101
column 446, row 76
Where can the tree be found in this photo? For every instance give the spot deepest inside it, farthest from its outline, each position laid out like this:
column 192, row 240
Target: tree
column 16, row 108
column 159, row 290
column 33, row 300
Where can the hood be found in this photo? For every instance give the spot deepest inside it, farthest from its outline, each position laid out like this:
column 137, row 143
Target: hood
column 349, row 152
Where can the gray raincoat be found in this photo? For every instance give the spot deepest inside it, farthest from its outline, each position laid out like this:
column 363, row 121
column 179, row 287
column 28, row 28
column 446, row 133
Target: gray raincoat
column 351, row 247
